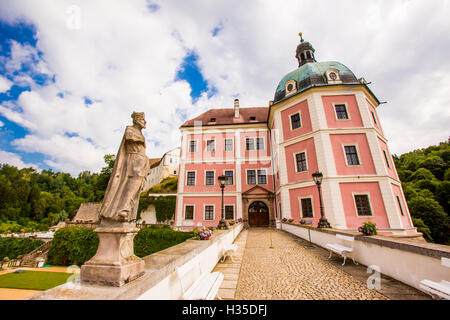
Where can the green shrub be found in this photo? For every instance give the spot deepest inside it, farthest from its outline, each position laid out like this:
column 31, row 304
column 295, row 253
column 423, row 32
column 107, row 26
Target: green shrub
column 72, row 245
column 13, row 247
column 154, row 239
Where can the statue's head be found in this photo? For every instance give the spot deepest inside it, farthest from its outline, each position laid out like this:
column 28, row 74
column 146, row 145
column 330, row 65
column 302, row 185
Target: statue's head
column 139, row 119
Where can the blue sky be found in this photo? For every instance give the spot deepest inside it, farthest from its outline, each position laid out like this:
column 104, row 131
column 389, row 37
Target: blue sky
column 71, row 74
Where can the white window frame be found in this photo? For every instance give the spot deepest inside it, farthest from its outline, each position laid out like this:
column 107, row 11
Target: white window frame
column 224, row 211
column 357, row 152
column 263, row 143
column 256, row 177
column 370, row 203
column 267, row 178
column 193, row 212
column 234, row 176
column 195, row 179
column 295, row 161
column 289, row 93
column 254, row 143
column 206, row 146
column 301, row 208
column 225, row 144
column 189, row 146
column 346, row 110
column 210, row 185
column 204, row 212
column 290, row 120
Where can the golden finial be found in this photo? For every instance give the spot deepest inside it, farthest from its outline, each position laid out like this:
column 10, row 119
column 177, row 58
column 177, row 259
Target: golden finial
column 301, row 38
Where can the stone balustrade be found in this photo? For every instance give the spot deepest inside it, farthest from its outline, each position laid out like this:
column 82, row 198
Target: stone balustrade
column 160, row 280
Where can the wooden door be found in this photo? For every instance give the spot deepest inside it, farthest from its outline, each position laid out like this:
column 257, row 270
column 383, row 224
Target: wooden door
column 258, row 214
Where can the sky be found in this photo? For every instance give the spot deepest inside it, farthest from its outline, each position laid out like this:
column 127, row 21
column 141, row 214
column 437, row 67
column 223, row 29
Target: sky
column 72, row 72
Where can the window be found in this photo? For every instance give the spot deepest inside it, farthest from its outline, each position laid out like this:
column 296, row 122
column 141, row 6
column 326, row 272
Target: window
column 191, row 178
column 252, row 118
column 193, row 146
column 300, row 158
column 210, row 145
column 341, row 111
column 307, row 210
column 400, row 205
column 374, row 118
column 352, row 155
column 209, row 178
column 189, row 213
column 362, row 205
column 229, row 175
column 249, row 144
column 259, row 143
column 295, row 121
column 251, row 177
column 386, row 158
column 229, row 212
column 262, row 178
column 228, row 144
column 212, row 120
column 174, row 171
column 209, row 212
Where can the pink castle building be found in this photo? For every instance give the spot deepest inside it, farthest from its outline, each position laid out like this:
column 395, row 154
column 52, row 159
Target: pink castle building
column 322, row 119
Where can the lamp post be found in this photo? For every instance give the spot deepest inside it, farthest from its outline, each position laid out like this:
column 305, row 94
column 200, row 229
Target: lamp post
column 222, row 224
column 323, row 222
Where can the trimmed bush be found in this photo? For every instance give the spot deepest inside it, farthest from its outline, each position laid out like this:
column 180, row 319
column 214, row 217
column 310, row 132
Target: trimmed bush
column 72, row 245
column 13, row 247
column 151, row 240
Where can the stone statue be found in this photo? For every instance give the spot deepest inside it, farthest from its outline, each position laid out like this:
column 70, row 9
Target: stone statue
column 115, row 264
column 128, row 177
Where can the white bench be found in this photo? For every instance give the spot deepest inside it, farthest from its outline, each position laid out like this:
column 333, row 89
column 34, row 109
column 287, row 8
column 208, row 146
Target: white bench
column 439, row 290
column 228, row 250
column 204, row 286
column 341, row 249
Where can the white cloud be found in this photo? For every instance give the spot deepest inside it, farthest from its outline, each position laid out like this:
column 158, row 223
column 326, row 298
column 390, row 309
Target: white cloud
column 14, row 160
column 125, row 57
column 5, row 84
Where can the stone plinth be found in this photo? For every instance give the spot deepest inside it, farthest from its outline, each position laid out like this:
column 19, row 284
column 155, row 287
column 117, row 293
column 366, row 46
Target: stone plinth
column 114, row 264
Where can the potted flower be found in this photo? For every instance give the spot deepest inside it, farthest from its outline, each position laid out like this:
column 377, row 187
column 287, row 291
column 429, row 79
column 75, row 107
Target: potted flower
column 368, row 228
column 284, row 220
column 231, row 222
column 302, row 221
column 290, row 220
column 202, row 234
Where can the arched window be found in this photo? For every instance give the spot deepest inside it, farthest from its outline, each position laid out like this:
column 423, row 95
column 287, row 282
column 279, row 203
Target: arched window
column 308, row 55
column 302, row 56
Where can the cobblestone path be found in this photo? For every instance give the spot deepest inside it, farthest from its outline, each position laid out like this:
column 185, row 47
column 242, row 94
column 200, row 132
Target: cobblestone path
column 290, row 271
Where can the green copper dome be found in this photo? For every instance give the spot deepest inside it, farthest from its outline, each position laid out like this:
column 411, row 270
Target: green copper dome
column 313, row 74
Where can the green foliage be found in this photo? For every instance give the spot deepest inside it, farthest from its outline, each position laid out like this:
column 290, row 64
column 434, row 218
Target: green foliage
column 150, row 240
column 72, row 245
column 13, row 247
column 425, row 176
column 168, row 185
column 36, row 201
column 164, row 207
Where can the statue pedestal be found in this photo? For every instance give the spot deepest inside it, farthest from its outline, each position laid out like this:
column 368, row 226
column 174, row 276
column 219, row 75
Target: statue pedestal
column 114, row 264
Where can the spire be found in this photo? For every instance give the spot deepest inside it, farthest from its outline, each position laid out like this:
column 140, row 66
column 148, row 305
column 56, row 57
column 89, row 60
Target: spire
column 305, row 52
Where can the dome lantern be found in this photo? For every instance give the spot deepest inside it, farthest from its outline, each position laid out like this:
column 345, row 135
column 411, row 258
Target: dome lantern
column 304, row 52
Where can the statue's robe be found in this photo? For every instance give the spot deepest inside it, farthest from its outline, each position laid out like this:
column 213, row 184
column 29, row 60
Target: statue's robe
column 127, row 179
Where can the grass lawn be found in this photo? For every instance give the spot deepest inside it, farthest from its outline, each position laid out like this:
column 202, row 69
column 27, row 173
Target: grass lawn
column 33, row 280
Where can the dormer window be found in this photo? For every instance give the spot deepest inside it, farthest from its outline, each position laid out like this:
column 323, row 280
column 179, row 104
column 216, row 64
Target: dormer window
column 252, row 118
column 332, row 76
column 290, row 87
column 212, row 120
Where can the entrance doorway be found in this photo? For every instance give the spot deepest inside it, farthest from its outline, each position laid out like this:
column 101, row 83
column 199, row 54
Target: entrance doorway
column 258, row 214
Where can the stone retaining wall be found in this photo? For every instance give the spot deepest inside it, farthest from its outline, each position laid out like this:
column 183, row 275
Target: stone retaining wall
column 407, row 261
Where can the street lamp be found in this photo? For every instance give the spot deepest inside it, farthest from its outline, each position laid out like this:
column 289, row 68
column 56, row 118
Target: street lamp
column 323, row 222
column 222, row 224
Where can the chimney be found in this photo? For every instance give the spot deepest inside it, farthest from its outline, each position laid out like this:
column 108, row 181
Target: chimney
column 236, row 108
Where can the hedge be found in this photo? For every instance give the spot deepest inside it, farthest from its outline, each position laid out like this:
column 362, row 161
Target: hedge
column 76, row 245
column 72, row 245
column 164, row 207
column 153, row 239
column 13, row 247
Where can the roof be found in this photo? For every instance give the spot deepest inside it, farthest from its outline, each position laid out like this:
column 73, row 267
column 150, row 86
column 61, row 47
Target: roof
column 312, row 75
column 226, row 117
column 88, row 212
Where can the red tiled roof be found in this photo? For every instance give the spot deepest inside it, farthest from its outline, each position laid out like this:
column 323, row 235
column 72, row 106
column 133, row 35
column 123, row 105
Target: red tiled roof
column 226, row 117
